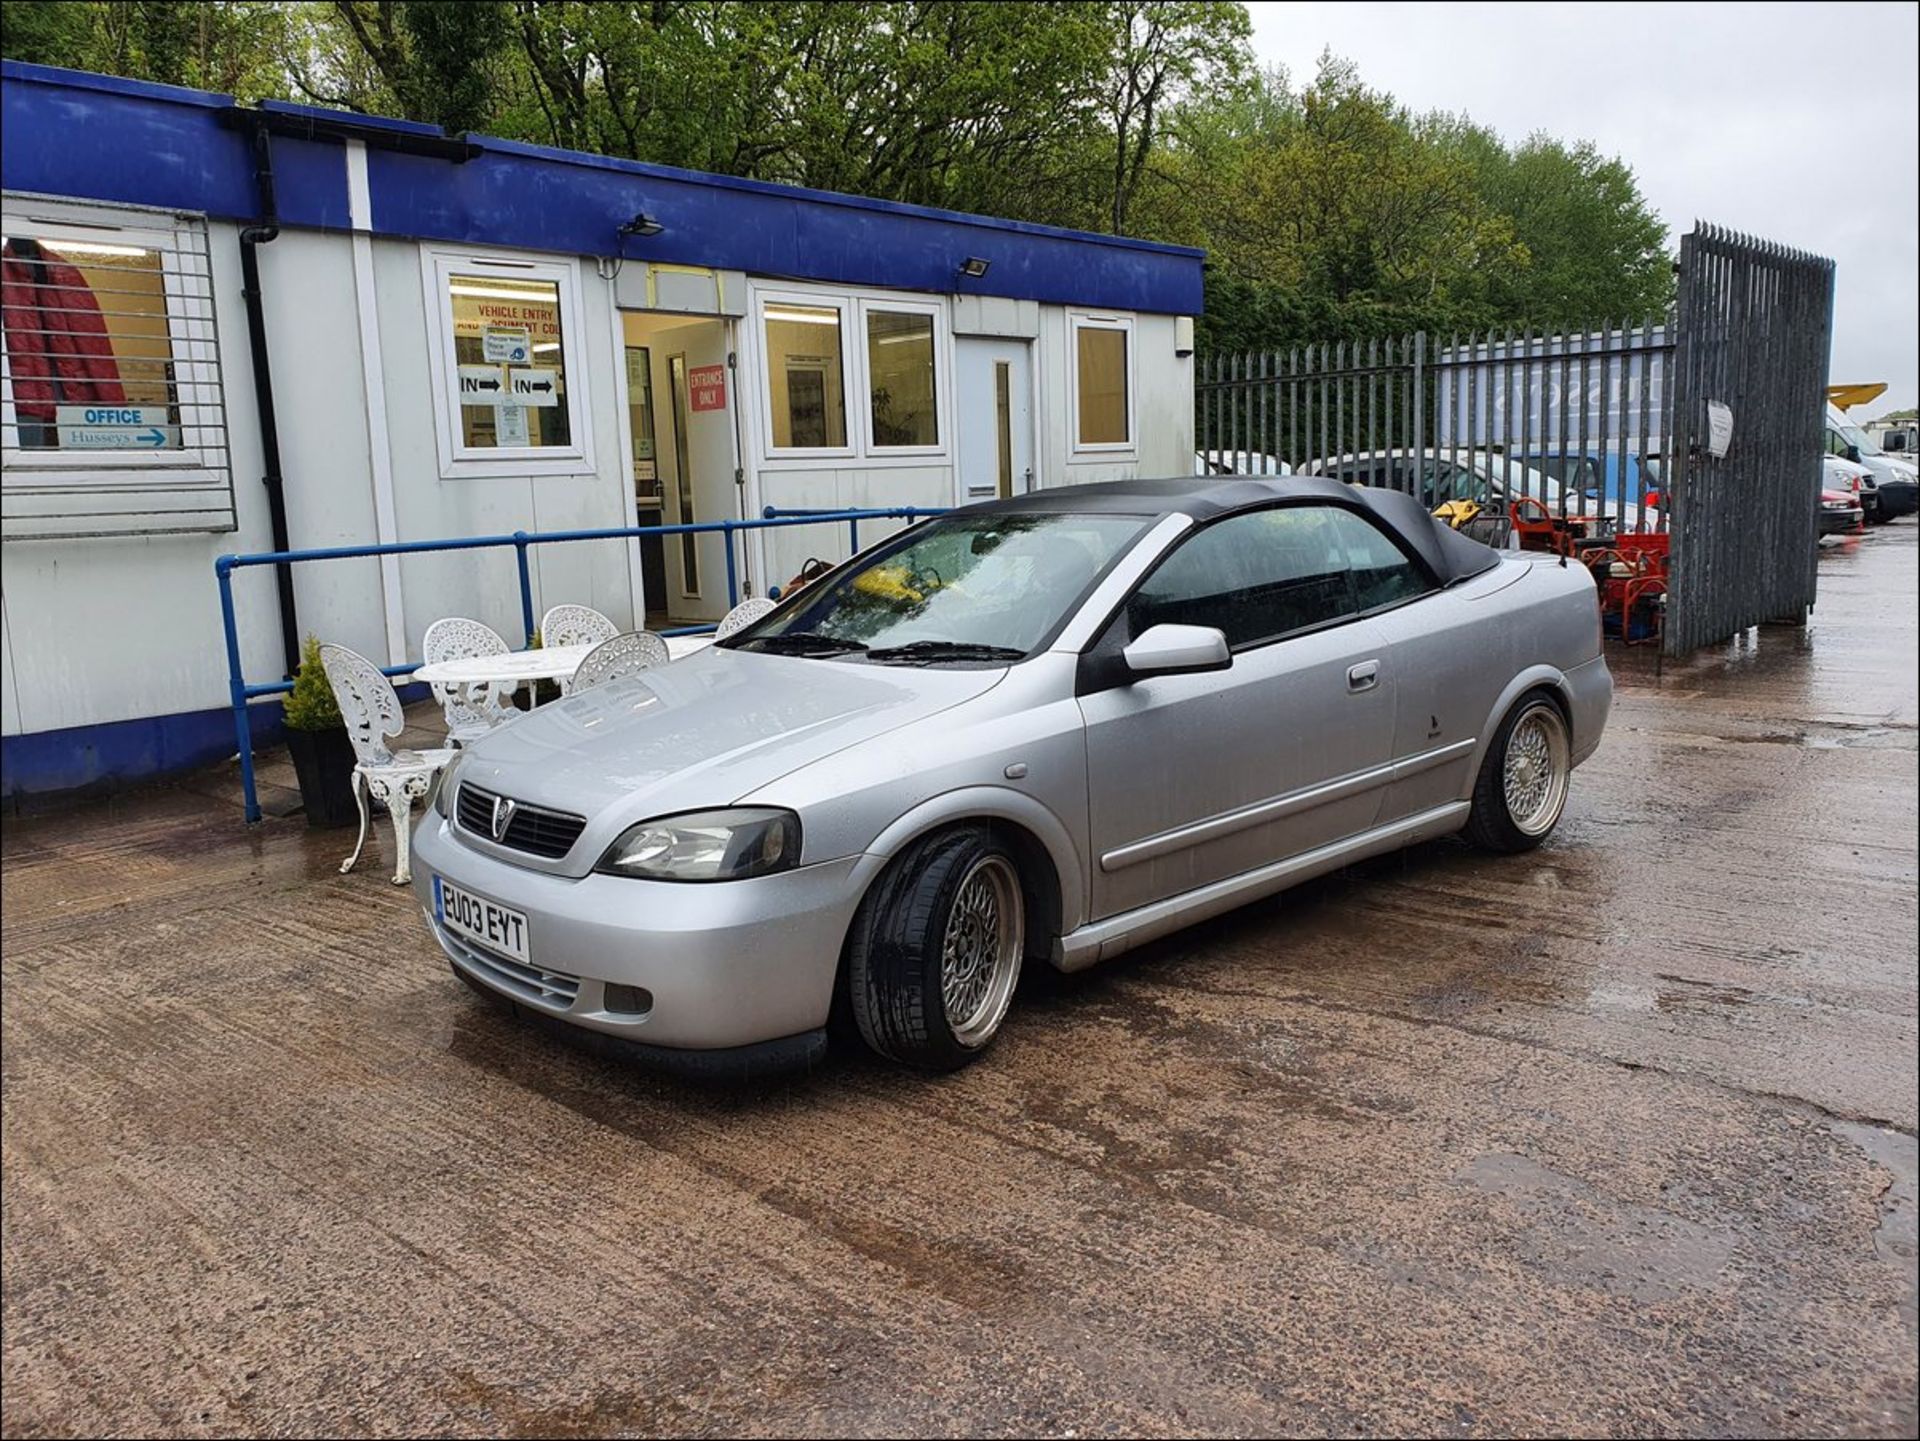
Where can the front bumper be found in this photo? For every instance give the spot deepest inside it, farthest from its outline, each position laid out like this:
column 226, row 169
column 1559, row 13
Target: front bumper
column 728, row 964
column 1839, row 522
column 1898, row 497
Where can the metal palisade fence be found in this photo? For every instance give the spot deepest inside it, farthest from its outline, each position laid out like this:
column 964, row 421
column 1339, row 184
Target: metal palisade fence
column 1610, row 421
column 1753, row 329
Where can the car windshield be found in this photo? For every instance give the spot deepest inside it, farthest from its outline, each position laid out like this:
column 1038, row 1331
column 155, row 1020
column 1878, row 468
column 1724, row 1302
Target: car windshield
column 976, row 587
column 1577, row 471
column 1858, row 438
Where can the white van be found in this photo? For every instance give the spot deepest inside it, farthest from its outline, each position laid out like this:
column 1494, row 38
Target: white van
column 1894, row 479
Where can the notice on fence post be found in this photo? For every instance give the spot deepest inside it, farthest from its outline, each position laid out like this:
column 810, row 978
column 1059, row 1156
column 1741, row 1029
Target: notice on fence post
column 1719, row 429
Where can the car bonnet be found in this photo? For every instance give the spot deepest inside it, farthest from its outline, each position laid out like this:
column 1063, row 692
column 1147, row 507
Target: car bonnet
column 706, row 730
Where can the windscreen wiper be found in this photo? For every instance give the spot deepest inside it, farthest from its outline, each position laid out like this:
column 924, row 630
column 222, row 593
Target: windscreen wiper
column 800, row 642
column 925, row 651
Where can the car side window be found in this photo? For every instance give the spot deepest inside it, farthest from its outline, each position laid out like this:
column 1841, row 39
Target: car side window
column 1265, row 574
column 1442, row 481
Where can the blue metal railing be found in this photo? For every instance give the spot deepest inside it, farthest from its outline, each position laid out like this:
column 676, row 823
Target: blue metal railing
column 240, row 690
column 852, row 517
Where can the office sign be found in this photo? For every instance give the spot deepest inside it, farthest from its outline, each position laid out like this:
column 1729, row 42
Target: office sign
column 115, row 427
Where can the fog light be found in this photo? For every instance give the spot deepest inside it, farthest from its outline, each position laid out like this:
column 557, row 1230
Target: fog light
column 629, row 1000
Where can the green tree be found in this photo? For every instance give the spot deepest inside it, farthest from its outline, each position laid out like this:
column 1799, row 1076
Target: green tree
column 1596, row 250
column 1162, row 50
column 437, row 59
column 218, row 45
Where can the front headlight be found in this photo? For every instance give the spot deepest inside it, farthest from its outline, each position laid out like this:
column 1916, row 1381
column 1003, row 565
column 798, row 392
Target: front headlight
column 443, row 797
column 724, row 845
column 1835, row 505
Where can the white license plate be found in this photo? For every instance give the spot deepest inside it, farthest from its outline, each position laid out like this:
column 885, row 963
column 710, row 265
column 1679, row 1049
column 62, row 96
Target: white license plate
column 497, row 927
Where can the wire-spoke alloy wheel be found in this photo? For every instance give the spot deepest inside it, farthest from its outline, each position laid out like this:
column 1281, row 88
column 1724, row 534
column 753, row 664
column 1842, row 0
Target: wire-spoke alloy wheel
column 934, row 952
column 1522, row 785
column 980, row 958
column 1534, row 774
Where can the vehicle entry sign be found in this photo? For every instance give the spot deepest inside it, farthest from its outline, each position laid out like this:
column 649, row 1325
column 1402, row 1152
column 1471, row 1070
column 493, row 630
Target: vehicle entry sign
column 531, row 386
column 482, row 385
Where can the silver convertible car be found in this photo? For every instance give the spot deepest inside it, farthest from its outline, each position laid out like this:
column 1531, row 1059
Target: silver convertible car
column 1039, row 730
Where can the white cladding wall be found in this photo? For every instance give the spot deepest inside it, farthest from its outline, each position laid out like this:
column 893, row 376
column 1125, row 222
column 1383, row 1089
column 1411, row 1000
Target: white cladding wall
column 1163, row 437
column 96, row 631
column 116, row 629
column 483, row 583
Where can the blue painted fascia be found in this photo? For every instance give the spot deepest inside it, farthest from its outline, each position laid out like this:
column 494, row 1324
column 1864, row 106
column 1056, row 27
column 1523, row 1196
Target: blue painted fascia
column 127, row 142
column 121, row 753
column 116, row 754
column 64, row 132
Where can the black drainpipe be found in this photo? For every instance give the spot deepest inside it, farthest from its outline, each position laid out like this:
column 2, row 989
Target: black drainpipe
column 251, row 239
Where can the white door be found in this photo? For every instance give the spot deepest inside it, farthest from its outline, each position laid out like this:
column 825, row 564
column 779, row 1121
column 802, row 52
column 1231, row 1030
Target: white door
column 994, row 382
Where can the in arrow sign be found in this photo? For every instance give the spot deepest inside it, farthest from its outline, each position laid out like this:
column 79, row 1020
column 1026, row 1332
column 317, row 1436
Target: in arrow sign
column 156, row 436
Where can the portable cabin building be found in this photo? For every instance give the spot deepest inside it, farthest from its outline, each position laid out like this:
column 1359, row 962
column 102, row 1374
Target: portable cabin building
column 238, row 328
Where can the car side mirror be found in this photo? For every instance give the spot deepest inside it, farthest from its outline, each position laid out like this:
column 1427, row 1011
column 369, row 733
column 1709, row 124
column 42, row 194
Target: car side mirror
column 1853, row 454
column 1177, row 650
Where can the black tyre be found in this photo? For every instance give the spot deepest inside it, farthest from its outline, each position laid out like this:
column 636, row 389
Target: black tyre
column 1522, row 786
column 935, row 950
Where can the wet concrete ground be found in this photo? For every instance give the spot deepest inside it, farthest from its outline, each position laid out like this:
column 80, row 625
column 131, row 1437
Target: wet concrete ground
column 1616, row 1138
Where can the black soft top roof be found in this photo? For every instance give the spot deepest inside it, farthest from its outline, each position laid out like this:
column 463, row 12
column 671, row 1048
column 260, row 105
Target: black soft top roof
column 1451, row 555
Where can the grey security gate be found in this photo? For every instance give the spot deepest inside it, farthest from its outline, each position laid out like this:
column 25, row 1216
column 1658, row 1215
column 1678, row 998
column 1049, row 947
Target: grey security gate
column 1613, row 420
column 1752, row 327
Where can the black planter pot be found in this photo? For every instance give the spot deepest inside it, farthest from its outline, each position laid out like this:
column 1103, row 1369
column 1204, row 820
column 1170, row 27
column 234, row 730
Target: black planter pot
column 324, row 762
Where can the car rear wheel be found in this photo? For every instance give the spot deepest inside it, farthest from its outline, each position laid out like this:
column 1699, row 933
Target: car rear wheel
column 935, row 950
column 1522, row 787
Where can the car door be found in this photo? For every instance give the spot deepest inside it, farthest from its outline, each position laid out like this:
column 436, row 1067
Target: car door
column 1195, row 778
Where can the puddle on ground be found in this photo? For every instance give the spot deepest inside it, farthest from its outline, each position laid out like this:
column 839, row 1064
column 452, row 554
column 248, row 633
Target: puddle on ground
column 1896, row 1240
column 1574, row 1230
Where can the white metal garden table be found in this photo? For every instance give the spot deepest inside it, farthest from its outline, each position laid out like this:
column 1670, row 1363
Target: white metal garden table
column 478, row 676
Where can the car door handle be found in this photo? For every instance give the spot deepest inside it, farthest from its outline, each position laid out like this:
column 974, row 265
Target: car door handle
column 1364, row 676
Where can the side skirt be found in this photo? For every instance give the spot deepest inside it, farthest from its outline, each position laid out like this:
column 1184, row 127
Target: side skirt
column 1103, row 940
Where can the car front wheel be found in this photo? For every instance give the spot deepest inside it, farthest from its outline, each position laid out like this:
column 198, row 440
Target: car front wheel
column 1522, row 787
column 935, row 950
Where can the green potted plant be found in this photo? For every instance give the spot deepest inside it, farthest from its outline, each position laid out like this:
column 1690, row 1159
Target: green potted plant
column 317, row 740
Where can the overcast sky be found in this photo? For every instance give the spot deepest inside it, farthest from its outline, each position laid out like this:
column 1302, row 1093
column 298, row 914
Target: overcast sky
column 1798, row 123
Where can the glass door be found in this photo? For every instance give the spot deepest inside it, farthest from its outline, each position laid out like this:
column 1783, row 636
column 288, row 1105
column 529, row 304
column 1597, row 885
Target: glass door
column 683, row 476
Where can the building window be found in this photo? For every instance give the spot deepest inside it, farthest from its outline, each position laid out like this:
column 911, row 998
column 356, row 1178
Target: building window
column 806, row 376
column 112, row 415
column 508, row 365
column 1103, row 383
column 901, row 383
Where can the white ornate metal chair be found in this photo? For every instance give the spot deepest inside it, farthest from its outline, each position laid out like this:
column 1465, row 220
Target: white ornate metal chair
column 742, row 616
column 575, row 625
column 623, row 655
column 469, row 716
column 395, row 778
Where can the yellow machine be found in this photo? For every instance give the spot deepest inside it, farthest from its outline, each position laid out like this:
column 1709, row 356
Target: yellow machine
column 1456, row 513
column 1845, row 397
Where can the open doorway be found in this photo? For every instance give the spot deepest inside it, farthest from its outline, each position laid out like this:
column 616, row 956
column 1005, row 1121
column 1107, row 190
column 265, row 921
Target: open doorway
column 680, row 417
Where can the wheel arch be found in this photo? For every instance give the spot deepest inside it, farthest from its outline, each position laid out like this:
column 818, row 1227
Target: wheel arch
column 1550, row 679
column 1048, row 860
